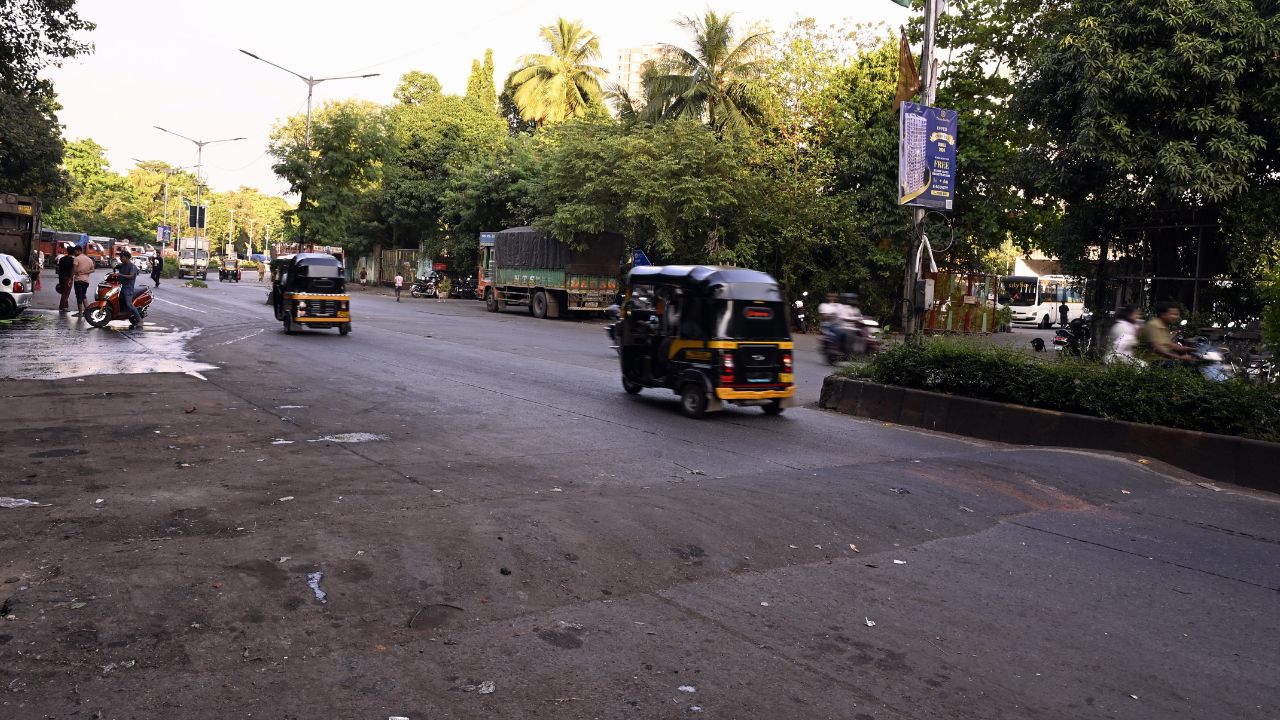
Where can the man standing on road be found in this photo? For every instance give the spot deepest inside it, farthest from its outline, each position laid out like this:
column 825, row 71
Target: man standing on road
column 65, row 269
column 81, row 272
column 128, row 273
column 399, row 284
column 1064, row 312
column 157, row 265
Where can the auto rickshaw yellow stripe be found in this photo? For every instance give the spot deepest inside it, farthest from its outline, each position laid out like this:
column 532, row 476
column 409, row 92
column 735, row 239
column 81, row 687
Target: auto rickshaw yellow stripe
column 679, row 345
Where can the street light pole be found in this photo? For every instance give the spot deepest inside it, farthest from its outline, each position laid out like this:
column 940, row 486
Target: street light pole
column 168, row 173
column 311, row 82
column 199, row 164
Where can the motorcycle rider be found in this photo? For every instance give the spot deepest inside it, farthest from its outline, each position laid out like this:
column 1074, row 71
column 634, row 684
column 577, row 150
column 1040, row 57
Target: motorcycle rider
column 128, row 273
column 841, row 320
column 1157, row 343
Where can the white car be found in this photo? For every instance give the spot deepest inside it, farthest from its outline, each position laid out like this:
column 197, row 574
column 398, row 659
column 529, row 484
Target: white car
column 15, row 287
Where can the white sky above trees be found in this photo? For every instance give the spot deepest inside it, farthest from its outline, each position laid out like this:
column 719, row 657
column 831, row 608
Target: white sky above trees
column 176, row 64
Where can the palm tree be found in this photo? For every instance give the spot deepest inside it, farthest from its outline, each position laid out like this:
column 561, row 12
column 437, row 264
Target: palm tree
column 719, row 80
column 561, row 84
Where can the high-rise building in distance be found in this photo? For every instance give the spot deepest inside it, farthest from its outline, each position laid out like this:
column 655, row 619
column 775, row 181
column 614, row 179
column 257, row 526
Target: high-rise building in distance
column 631, row 62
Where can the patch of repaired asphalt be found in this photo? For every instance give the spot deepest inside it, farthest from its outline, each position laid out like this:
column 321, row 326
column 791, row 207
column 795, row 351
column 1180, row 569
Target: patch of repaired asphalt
column 45, row 345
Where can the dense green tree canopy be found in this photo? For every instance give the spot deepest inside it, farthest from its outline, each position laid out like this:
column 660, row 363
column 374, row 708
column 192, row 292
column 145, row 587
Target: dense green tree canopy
column 34, row 35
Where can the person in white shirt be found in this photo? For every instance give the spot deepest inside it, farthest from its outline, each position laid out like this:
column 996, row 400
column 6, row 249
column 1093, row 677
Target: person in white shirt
column 841, row 319
column 1122, row 340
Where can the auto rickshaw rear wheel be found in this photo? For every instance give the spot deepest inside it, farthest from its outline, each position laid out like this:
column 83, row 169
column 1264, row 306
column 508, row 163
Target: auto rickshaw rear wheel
column 288, row 325
column 344, row 329
column 693, row 400
column 773, row 407
column 632, row 388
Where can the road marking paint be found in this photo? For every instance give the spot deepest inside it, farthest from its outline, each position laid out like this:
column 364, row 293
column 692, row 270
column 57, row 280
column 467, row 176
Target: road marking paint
column 259, row 331
column 184, row 307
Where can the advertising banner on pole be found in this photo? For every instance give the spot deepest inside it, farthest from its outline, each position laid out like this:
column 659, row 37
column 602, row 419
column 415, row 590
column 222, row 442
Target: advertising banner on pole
column 926, row 156
column 163, row 234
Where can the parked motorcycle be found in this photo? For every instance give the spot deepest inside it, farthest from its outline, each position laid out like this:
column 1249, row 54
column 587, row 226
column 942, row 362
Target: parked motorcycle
column 1076, row 338
column 424, row 287
column 799, row 315
column 464, row 288
column 109, row 304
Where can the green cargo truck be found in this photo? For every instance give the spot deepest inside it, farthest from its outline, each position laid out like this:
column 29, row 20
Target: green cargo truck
column 527, row 267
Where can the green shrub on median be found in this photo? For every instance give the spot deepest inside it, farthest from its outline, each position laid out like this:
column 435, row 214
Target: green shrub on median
column 1176, row 398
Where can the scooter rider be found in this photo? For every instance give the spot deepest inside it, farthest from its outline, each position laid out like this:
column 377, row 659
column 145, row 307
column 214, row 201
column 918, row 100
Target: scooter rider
column 128, row 273
column 841, row 320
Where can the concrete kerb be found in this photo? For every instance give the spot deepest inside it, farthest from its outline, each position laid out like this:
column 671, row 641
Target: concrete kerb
column 1251, row 463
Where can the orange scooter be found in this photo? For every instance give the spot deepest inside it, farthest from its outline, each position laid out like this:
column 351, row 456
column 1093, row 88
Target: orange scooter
column 109, row 304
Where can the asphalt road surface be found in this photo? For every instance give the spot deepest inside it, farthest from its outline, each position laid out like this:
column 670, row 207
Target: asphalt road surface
column 501, row 532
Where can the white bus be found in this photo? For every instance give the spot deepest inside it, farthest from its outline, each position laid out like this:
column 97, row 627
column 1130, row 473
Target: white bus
column 1036, row 300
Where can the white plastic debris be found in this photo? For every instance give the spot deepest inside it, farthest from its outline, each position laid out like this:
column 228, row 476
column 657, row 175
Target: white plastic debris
column 869, row 622
column 354, row 437
column 687, row 688
column 313, row 582
column 286, row 498
column 281, row 441
column 764, row 604
column 486, row 688
column 8, row 502
column 899, row 562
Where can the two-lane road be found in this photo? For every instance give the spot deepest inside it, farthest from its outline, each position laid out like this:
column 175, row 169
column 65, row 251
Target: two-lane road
column 506, row 514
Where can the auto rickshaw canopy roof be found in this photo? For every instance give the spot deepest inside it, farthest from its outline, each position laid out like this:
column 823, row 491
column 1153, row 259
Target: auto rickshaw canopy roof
column 729, row 283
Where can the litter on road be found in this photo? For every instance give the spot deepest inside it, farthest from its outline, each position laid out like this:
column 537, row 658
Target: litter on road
column 899, row 562
column 869, row 622
column 687, row 689
column 313, row 582
column 286, row 498
column 486, row 688
column 8, row 502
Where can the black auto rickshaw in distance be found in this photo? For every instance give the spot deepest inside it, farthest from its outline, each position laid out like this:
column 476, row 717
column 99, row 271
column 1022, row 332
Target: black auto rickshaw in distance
column 307, row 290
column 712, row 335
column 229, row 270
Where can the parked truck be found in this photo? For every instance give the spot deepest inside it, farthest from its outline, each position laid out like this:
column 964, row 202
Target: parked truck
column 527, row 267
column 20, row 228
column 193, row 257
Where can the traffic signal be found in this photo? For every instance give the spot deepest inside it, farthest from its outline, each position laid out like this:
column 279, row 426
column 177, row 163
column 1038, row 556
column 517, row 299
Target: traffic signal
column 195, row 215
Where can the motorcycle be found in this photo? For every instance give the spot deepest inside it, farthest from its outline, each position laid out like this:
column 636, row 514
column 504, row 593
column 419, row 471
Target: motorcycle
column 424, row 287
column 1210, row 361
column 799, row 316
column 859, row 339
column 464, row 289
column 1076, row 338
column 109, row 304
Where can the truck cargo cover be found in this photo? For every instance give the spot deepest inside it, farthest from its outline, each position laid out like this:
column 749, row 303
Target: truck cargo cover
column 526, row 247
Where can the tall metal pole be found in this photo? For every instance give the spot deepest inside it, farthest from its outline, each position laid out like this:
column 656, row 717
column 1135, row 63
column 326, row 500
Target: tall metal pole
column 928, row 71
column 311, row 82
column 195, row 251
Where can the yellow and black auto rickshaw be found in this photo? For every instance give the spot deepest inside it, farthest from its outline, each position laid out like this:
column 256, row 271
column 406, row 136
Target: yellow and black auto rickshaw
column 712, row 335
column 307, row 290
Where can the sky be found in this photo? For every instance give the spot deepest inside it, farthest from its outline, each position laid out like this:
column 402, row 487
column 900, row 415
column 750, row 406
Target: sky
column 176, row 64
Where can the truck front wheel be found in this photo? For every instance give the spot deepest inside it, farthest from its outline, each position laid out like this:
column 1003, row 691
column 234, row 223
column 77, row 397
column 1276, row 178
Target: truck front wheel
column 491, row 300
column 539, row 305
